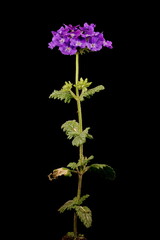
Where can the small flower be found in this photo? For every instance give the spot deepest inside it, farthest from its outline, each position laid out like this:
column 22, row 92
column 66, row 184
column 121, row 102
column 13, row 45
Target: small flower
column 95, row 43
column 67, row 50
column 51, row 45
column 107, row 44
column 78, row 42
column 88, row 30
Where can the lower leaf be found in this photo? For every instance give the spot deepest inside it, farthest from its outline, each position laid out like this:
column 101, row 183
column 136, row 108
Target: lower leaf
column 85, row 215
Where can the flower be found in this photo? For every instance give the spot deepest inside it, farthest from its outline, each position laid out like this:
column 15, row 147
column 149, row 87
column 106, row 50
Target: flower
column 107, row 44
column 95, row 43
column 70, row 39
column 68, row 50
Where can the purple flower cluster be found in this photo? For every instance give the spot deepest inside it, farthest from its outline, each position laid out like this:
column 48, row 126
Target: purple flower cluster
column 70, row 39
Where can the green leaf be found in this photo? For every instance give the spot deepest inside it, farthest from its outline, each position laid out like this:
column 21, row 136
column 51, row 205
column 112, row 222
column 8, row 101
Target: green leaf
column 84, row 50
column 91, row 91
column 61, row 95
column 85, row 161
column 83, row 84
column 82, row 199
column 85, row 215
column 81, row 138
column 71, row 128
column 70, row 234
column 98, row 166
column 67, row 86
column 104, row 170
column 64, row 94
column 71, row 204
column 72, row 165
column 90, row 158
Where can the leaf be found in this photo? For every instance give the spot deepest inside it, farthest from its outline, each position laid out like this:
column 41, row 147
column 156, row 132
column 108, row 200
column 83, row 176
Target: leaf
column 85, row 215
column 70, row 234
column 59, row 172
column 71, row 128
column 71, row 204
column 104, row 170
column 81, row 138
column 82, row 199
column 61, row 95
column 97, row 165
column 83, row 84
column 64, row 93
column 90, row 158
column 91, row 91
column 85, row 161
column 67, row 86
column 72, row 165
column 84, row 50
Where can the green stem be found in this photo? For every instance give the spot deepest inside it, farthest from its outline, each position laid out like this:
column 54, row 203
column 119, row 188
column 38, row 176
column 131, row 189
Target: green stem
column 79, row 105
column 81, row 146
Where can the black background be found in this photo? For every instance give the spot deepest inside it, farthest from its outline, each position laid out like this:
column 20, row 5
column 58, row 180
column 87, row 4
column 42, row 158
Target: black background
column 114, row 115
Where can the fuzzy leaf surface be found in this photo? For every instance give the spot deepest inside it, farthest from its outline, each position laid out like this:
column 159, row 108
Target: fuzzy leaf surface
column 67, row 86
column 81, row 138
column 70, row 204
column 71, row 128
column 72, row 165
column 61, row 95
column 104, row 170
column 85, row 161
column 82, row 199
column 83, row 84
column 85, row 215
column 91, row 92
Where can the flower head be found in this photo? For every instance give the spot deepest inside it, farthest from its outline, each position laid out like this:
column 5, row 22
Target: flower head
column 70, row 39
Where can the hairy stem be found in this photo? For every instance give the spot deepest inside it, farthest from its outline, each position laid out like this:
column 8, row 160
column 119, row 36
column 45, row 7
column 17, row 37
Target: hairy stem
column 81, row 146
column 79, row 105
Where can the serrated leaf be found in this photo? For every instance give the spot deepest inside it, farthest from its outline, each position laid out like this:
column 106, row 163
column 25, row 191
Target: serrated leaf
column 104, row 170
column 61, row 95
column 67, row 86
column 82, row 199
column 90, row 92
column 84, row 50
column 72, row 165
column 71, row 128
column 85, row 161
column 98, row 166
column 83, row 84
column 81, row 138
column 85, row 215
column 70, row 204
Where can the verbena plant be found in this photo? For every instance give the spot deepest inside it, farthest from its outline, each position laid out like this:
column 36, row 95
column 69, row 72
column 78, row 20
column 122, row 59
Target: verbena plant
column 77, row 40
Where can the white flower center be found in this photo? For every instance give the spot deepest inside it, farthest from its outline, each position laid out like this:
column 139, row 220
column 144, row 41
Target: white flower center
column 78, row 43
column 68, row 49
column 62, row 40
column 93, row 44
